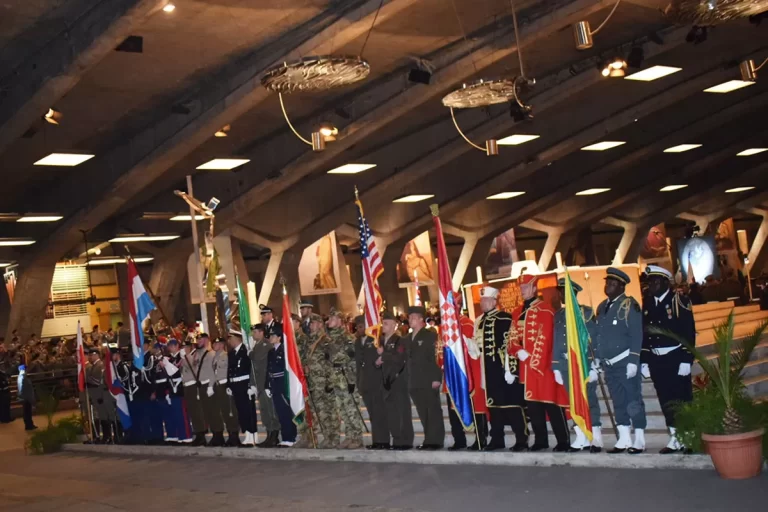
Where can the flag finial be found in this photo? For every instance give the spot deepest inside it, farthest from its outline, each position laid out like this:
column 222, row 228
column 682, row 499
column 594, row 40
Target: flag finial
column 357, row 194
column 435, row 210
column 282, row 283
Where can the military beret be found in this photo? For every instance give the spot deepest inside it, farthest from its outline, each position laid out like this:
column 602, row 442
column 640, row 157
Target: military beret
column 527, row 279
column 314, row 317
column 618, row 275
column 360, row 320
column 656, row 271
column 417, row 310
column 264, row 309
column 304, row 303
column 576, row 286
column 94, row 350
column 388, row 316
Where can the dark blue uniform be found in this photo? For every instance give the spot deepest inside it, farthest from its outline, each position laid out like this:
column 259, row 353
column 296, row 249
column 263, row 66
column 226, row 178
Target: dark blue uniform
column 663, row 354
column 239, row 375
column 277, row 385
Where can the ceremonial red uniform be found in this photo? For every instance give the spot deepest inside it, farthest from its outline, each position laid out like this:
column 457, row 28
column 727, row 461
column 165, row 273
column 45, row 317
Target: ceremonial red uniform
column 475, row 368
column 535, row 335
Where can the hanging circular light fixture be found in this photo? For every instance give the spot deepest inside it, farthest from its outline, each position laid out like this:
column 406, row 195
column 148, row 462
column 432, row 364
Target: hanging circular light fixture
column 319, row 73
column 713, row 12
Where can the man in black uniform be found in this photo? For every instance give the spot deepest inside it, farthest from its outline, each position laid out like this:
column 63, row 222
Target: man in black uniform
column 276, row 373
column 504, row 392
column 394, row 368
column 369, row 383
column 239, row 374
column 268, row 319
column 665, row 360
column 305, row 309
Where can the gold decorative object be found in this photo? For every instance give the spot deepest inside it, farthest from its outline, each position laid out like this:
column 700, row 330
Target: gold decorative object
column 317, row 73
column 713, row 12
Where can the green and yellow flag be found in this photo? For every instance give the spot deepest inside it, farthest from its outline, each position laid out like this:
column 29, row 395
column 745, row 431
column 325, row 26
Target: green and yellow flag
column 578, row 359
column 244, row 314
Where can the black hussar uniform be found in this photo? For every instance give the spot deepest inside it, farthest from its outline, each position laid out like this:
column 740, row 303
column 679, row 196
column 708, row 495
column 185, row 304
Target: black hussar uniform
column 396, row 399
column 369, row 383
column 239, row 374
column 423, row 370
column 505, row 401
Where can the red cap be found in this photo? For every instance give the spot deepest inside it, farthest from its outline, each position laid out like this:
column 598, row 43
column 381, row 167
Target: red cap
column 526, row 279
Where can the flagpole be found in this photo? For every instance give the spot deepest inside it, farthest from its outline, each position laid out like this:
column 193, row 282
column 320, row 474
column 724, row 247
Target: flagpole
column 80, row 348
column 601, row 385
column 153, row 296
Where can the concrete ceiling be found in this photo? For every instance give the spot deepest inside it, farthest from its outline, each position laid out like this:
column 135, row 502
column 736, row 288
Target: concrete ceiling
column 208, row 55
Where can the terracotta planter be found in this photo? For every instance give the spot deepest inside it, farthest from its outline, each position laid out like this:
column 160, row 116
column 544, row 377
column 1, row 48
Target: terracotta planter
column 736, row 456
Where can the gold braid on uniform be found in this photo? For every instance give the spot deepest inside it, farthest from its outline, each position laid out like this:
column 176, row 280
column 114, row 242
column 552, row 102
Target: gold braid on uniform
column 623, row 312
column 678, row 303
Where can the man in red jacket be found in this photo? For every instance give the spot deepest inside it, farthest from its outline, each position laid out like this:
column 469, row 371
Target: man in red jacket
column 531, row 341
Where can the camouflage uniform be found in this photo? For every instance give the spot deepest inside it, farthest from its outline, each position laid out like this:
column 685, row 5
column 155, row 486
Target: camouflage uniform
column 304, row 344
column 313, row 350
column 341, row 356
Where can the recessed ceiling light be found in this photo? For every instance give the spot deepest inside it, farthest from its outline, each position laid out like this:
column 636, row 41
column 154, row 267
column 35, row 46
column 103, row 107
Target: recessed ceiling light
column 187, row 218
column 169, row 7
column 592, row 191
column 514, row 140
column 63, row 159
column 5, row 264
column 653, row 73
column 670, row 188
column 114, row 261
column 602, row 146
column 12, row 242
column 40, row 218
column 413, row 198
column 143, row 238
column 731, row 85
column 351, row 168
column 222, row 164
column 681, row 148
column 751, row 151
column 505, row 195
column 738, row 189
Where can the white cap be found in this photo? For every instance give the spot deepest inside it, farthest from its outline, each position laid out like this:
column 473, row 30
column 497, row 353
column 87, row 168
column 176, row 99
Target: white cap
column 655, row 270
column 488, row 291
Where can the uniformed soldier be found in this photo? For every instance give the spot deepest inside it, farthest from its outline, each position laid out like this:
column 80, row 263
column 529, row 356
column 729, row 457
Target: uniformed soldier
column 268, row 319
column 152, row 419
column 177, row 426
column 530, row 341
column 163, row 393
column 340, row 357
column 26, row 395
column 97, row 391
column 394, row 369
column 425, row 378
column 192, row 393
column 369, row 384
column 223, row 403
column 312, row 350
column 259, row 381
column 665, row 359
column 239, row 375
column 561, row 369
column 504, row 392
column 206, row 379
column 276, row 373
column 305, row 309
column 618, row 344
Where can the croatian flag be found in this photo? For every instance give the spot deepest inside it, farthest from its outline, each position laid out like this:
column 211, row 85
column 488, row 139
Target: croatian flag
column 116, row 390
column 457, row 376
column 140, row 305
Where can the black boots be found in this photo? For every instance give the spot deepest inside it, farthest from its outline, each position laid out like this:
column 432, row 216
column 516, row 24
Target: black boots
column 272, row 440
column 217, row 439
column 234, row 440
column 199, row 440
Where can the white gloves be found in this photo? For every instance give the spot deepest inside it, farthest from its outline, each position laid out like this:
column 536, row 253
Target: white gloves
column 684, row 370
column 472, row 349
column 268, row 393
column 168, row 399
column 209, row 391
column 592, row 375
column 596, row 365
column 252, row 391
column 509, row 377
column 523, row 355
column 229, row 392
column 558, row 377
column 631, row 370
column 645, row 371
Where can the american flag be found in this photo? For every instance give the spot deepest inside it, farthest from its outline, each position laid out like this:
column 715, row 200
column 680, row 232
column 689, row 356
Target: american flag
column 372, row 269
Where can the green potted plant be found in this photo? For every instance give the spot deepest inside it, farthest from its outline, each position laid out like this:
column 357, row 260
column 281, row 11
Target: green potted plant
column 723, row 420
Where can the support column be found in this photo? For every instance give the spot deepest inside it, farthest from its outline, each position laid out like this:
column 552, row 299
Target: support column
column 270, row 276
column 626, row 252
column 166, row 281
column 550, row 246
column 347, row 301
column 479, row 255
column 467, row 250
column 31, row 297
column 756, row 252
column 700, row 220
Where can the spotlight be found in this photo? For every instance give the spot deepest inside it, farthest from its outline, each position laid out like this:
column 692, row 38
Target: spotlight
column 635, row 57
column 328, row 131
column 582, row 35
column 53, row 116
column 224, row 132
column 169, row 7
column 748, row 70
column 520, row 113
column 615, row 68
column 419, row 76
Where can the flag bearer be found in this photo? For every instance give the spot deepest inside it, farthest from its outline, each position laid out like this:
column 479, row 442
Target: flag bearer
column 223, row 403
column 305, row 308
column 180, row 431
column 561, row 370
column 618, row 344
column 94, row 379
column 394, row 367
column 425, row 378
column 152, row 422
column 665, row 359
column 317, row 373
column 369, row 383
column 163, row 393
column 206, row 378
column 260, row 385
column 277, row 387
column 239, row 375
column 192, row 392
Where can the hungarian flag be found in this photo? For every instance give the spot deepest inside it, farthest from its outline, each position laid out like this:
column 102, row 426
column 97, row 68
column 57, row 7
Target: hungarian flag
column 578, row 360
column 140, row 305
column 80, row 360
column 455, row 358
column 296, row 383
column 244, row 314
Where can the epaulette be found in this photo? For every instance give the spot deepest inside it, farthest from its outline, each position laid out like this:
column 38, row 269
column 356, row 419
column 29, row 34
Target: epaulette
column 631, row 302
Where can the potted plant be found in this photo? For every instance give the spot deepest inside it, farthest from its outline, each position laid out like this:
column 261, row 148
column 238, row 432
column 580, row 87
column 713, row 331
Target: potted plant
column 723, row 420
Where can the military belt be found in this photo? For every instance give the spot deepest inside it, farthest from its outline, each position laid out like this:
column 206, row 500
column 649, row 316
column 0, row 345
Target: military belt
column 222, row 381
column 160, row 381
column 338, row 366
column 662, row 351
column 240, row 378
column 614, row 360
column 276, row 375
column 189, row 383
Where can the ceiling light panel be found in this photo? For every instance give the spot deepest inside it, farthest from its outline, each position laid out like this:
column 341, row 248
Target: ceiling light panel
column 751, row 151
column 517, row 139
column 63, row 159
column 13, row 242
column 143, row 238
column 653, row 73
column 592, row 191
column 413, row 198
column 602, row 146
column 351, row 168
column 222, row 164
column 186, row 217
column 505, row 195
column 682, row 148
column 40, row 218
column 670, row 188
column 730, row 86
column 738, row 189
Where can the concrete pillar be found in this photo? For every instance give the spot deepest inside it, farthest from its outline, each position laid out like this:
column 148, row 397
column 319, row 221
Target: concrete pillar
column 346, row 300
column 700, row 220
column 479, row 255
column 166, row 281
column 467, row 250
column 239, row 262
column 33, row 288
column 756, row 253
column 390, row 291
column 627, row 239
column 270, row 277
column 550, row 246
